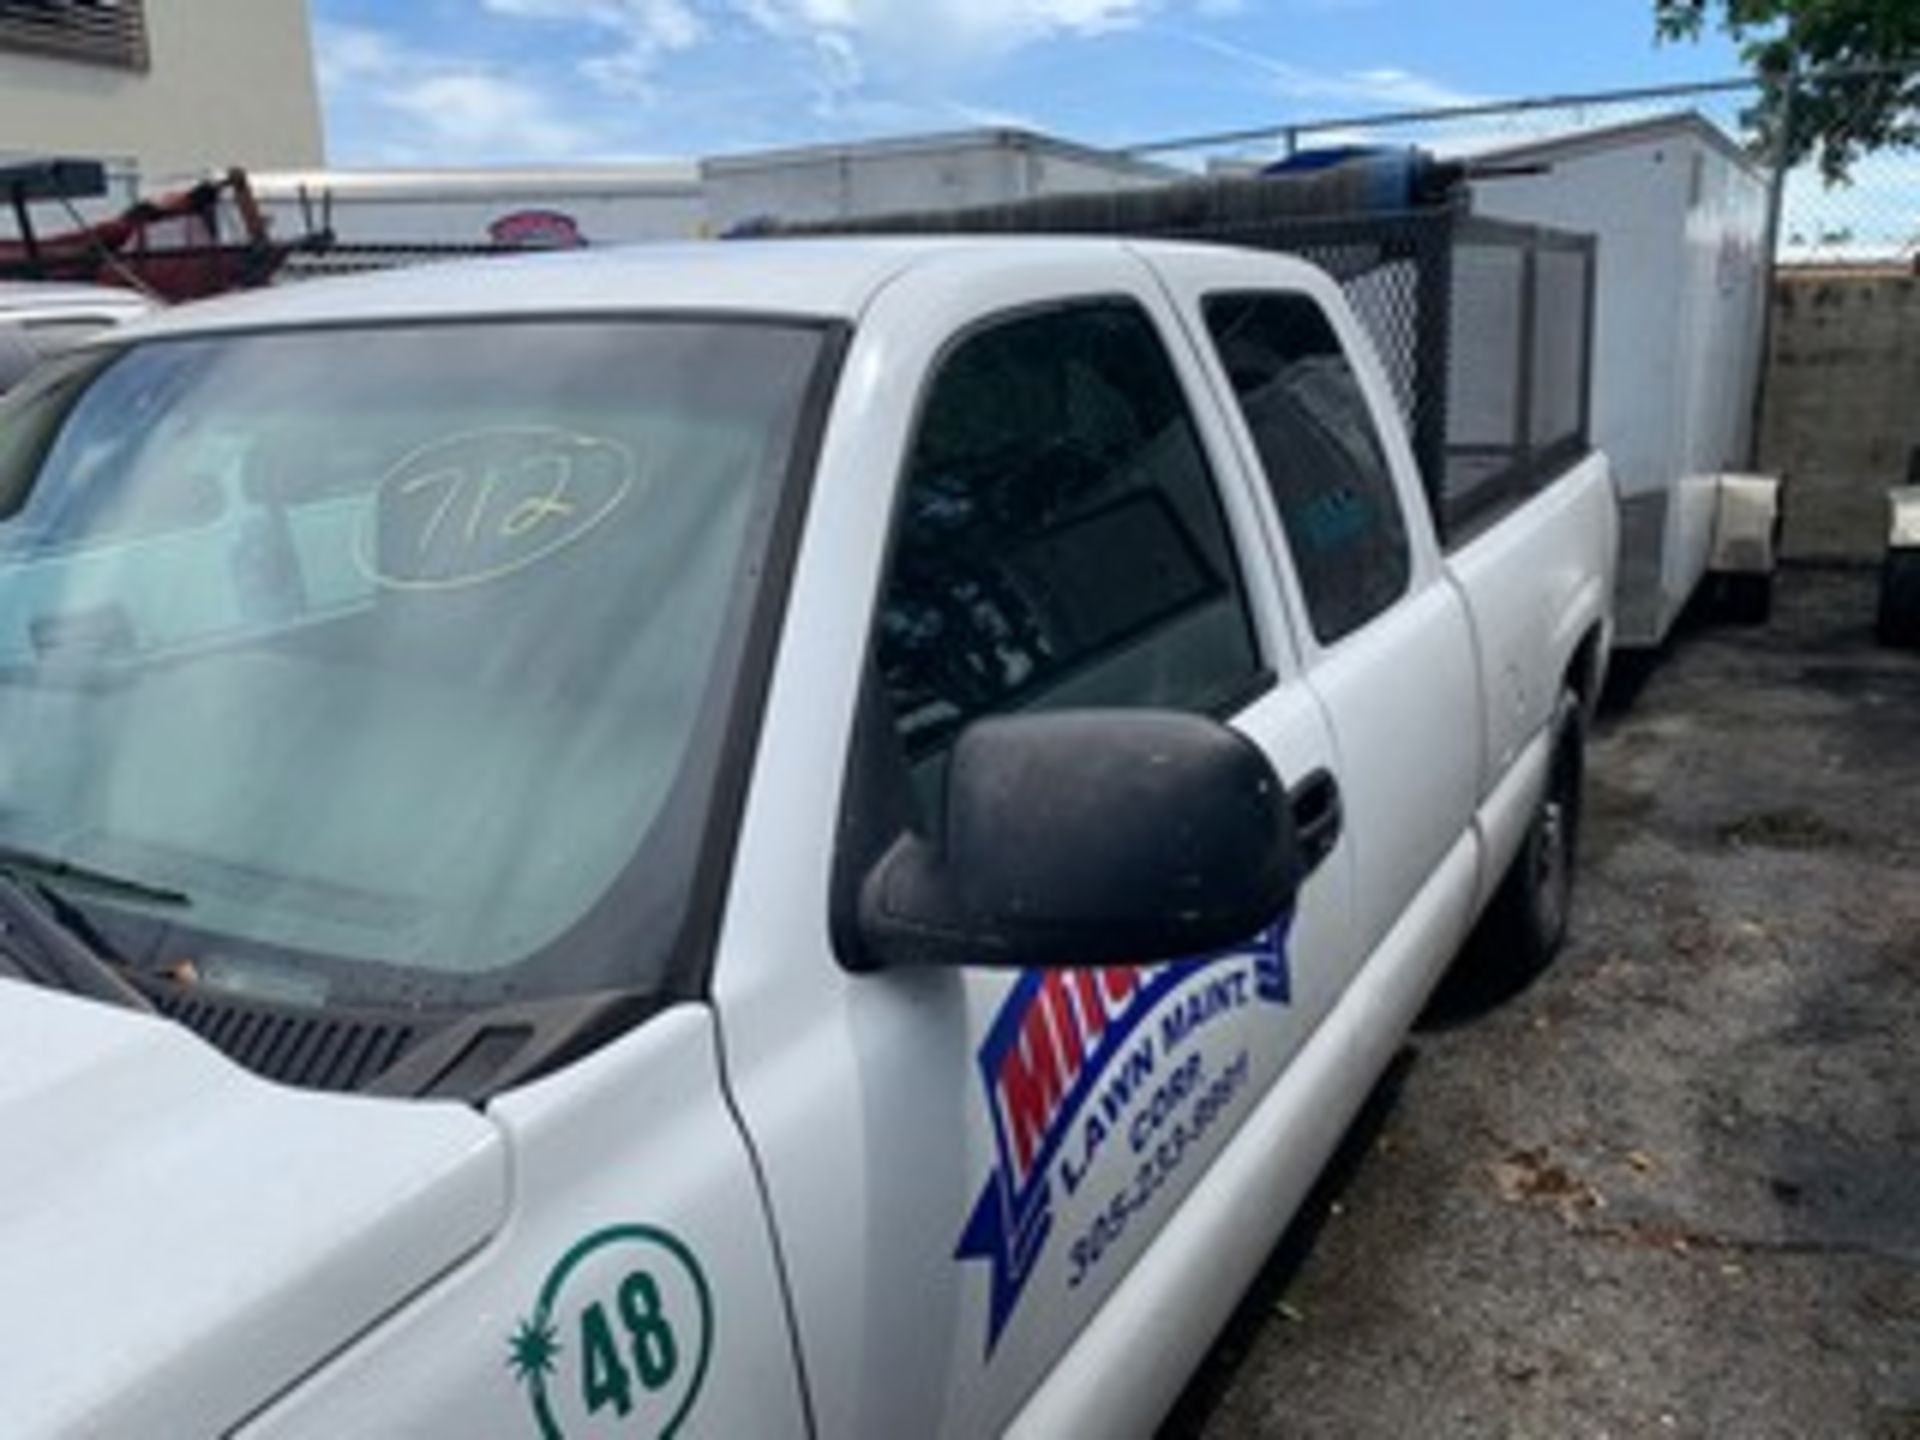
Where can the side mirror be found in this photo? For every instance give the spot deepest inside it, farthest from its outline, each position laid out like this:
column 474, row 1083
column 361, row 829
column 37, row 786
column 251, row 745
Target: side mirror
column 1080, row 838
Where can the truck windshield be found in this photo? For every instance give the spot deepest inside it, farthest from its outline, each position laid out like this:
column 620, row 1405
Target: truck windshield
column 401, row 652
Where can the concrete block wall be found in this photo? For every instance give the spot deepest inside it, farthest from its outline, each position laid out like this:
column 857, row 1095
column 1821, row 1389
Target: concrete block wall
column 1842, row 408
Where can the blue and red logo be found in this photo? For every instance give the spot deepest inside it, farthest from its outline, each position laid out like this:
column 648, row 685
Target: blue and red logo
column 1044, row 1061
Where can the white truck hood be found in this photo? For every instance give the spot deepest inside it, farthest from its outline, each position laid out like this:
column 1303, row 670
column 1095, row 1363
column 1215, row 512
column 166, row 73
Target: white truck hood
column 180, row 1240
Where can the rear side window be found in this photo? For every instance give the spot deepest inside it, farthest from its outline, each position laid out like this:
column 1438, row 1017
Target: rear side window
column 1324, row 462
column 1059, row 542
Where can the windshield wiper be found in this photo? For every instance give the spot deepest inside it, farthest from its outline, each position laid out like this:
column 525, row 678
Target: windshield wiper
column 61, row 947
column 30, row 865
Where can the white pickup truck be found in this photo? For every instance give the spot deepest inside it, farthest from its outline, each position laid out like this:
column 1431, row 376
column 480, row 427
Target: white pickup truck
column 774, row 839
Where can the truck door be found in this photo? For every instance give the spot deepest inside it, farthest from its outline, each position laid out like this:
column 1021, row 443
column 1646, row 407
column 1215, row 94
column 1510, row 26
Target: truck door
column 962, row 1165
column 1387, row 643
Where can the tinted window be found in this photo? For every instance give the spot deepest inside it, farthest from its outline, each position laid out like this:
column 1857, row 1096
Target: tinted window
column 1322, row 456
column 1060, row 542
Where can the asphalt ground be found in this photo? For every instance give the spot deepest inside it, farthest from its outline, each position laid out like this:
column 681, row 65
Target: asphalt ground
column 1672, row 1188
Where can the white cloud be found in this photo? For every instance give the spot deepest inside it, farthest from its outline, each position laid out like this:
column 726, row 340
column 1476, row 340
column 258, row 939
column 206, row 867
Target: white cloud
column 419, row 106
column 920, row 44
column 1388, row 85
column 838, row 34
column 880, row 64
column 655, row 24
column 1384, row 86
column 835, row 73
column 344, row 54
column 475, row 113
column 643, row 31
column 946, row 30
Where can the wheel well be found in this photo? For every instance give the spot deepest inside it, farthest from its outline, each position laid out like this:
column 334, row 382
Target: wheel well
column 1582, row 674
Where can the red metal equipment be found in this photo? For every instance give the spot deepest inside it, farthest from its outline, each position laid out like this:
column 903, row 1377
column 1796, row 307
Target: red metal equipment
column 204, row 240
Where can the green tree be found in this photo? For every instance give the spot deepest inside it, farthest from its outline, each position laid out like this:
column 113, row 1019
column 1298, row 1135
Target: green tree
column 1842, row 58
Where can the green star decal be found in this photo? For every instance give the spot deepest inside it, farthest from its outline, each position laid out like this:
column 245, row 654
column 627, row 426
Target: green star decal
column 534, row 1346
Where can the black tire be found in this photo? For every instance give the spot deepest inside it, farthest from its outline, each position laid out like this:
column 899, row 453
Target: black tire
column 1525, row 923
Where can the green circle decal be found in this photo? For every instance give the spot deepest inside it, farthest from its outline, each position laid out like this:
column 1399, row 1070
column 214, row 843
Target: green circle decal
column 619, row 1337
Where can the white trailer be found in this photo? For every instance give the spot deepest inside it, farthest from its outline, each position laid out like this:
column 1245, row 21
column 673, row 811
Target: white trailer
column 553, row 205
column 916, row 172
column 1680, row 213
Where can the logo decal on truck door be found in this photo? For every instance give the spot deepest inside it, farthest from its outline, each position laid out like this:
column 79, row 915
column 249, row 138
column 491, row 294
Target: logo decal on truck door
column 619, row 1337
column 1072, row 1069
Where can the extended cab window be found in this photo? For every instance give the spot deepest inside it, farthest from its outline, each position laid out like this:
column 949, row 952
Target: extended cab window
column 1322, row 455
column 1060, row 542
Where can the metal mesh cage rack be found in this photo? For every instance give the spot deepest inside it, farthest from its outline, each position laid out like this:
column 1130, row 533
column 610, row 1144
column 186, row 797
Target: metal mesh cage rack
column 1484, row 327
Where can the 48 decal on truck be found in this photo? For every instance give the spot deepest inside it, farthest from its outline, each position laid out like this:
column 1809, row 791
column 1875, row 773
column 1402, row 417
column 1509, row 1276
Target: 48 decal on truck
column 619, row 1338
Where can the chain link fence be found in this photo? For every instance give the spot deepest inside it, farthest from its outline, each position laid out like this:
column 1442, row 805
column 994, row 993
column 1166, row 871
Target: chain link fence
column 1870, row 215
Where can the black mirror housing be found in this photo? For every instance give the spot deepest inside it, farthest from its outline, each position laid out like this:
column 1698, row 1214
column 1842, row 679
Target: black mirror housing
column 1086, row 838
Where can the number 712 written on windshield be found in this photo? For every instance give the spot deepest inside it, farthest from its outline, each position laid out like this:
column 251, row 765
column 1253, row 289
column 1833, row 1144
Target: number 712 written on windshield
column 483, row 504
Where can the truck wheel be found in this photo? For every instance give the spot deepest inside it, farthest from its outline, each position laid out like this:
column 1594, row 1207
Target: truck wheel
column 1526, row 921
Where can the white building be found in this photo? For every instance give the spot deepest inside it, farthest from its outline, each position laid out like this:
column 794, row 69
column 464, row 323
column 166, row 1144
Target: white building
column 161, row 90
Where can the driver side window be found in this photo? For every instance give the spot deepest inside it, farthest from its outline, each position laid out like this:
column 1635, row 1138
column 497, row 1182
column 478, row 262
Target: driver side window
column 1060, row 542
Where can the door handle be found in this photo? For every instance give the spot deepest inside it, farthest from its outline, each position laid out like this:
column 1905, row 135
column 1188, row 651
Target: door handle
column 1317, row 818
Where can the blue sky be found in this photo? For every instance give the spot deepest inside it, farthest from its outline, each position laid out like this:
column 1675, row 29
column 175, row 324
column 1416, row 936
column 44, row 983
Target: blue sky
column 477, row 82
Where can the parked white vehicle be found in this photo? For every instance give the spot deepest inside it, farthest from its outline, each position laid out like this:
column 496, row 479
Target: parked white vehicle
column 39, row 318
column 790, row 838
column 1680, row 213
